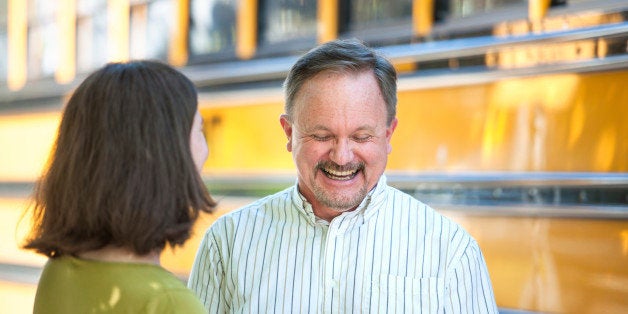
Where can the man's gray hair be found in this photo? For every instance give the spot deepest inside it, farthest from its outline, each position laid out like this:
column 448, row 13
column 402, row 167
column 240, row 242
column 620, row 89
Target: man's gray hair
column 348, row 55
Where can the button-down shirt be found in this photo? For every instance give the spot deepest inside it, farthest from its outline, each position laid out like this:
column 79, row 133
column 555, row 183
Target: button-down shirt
column 392, row 254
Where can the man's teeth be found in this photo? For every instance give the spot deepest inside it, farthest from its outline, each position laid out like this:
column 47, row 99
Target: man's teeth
column 340, row 173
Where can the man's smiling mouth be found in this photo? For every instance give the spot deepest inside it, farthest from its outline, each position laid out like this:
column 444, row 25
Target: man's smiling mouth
column 345, row 173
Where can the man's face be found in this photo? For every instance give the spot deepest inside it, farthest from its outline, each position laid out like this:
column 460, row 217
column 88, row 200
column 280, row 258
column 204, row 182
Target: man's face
column 339, row 139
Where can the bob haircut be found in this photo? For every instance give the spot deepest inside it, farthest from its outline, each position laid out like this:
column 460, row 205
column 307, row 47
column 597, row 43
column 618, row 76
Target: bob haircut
column 121, row 172
column 348, row 55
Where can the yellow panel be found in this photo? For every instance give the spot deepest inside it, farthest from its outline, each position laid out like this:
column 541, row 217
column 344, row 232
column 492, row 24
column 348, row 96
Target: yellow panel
column 553, row 123
column 17, row 297
column 177, row 50
column 422, row 16
column 26, row 140
column 66, row 21
column 13, row 230
column 439, row 129
column 554, row 265
column 327, row 15
column 245, row 139
column 118, row 19
column 246, row 29
column 17, row 44
column 567, row 122
column 537, row 9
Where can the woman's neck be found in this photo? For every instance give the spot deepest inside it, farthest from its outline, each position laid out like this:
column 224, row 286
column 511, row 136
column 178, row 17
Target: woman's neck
column 118, row 254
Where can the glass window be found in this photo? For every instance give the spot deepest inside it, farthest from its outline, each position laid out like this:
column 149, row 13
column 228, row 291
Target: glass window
column 376, row 21
column 470, row 18
column 4, row 52
column 212, row 26
column 284, row 20
column 3, row 55
column 152, row 24
column 137, row 38
column 91, row 34
column 463, row 8
column 42, row 39
column 368, row 13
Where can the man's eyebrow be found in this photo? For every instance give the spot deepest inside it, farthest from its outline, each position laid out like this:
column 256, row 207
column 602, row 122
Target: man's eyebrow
column 317, row 127
column 366, row 127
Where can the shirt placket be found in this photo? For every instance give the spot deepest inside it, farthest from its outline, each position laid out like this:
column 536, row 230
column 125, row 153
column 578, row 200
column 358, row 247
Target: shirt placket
column 331, row 268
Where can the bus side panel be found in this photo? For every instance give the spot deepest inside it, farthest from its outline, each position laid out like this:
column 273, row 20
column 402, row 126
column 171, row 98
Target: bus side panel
column 566, row 122
column 555, row 265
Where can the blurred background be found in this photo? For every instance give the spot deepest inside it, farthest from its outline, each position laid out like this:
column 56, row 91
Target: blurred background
column 513, row 119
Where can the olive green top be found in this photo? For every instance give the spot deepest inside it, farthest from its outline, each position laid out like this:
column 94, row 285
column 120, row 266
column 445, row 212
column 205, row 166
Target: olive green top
column 74, row 285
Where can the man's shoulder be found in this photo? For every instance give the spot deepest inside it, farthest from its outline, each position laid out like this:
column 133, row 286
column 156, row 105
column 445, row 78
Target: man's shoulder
column 406, row 201
column 435, row 215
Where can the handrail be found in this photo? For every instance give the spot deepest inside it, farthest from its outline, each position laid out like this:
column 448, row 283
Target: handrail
column 504, row 178
column 499, row 193
column 428, row 180
column 466, row 47
column 436, row 78
column 548, row 194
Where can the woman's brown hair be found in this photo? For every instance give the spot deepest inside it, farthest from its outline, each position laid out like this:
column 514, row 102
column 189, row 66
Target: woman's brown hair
column 121, row 172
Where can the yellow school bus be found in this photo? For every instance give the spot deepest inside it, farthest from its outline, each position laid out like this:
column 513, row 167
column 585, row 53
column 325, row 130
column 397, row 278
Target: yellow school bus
column 513, row 114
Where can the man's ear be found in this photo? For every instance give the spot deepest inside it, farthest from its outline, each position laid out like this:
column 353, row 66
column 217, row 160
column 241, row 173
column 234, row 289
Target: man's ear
column 389, row 132
column 287, row 128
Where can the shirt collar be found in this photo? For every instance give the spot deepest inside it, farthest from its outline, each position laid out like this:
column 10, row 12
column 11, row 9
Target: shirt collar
column 369, row 205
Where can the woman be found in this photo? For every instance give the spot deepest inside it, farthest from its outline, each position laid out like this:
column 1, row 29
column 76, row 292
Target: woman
column 122, row 183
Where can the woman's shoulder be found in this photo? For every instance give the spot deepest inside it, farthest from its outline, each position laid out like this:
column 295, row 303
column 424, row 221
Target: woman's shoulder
column 174, row 301
column 80, row 284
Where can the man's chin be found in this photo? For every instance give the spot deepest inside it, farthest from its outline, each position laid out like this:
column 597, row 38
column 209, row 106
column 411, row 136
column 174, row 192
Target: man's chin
column 341, row 202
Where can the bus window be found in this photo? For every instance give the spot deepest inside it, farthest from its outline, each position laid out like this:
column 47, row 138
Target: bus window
column 287, row 20
column 212, row 27
column 91, row 34
column 42, row 39
column 469, row 18
column 152, row 24
column 463, row 8
column 139, row 21
column 4, row 53
column 376, row 21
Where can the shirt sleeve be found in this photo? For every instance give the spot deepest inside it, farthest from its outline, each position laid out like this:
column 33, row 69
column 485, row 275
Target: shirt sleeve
column 469, row 288
column 207, row 275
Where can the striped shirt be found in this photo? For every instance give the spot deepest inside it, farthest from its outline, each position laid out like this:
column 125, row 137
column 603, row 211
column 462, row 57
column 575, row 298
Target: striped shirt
column 393, row 254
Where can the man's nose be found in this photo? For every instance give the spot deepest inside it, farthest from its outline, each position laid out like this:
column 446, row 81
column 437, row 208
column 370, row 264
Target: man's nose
column 341, row 152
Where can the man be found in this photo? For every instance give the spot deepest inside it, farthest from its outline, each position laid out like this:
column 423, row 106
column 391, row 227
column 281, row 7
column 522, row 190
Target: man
column 341, row 240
